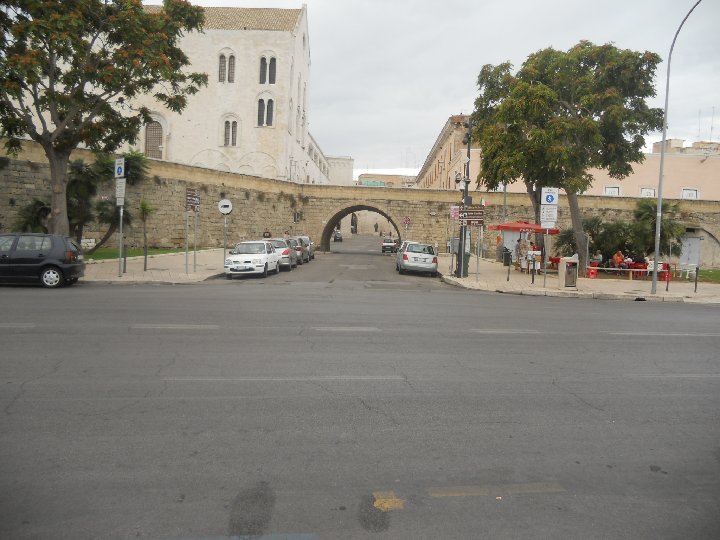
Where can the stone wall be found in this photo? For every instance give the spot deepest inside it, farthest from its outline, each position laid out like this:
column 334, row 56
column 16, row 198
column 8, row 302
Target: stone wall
column 269, row 205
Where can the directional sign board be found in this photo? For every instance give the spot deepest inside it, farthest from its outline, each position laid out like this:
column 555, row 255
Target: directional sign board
column 472, row 215
column 192, row 200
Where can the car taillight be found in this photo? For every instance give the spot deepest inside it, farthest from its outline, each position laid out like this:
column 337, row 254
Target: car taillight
column 70, row 256
column 435, row 260
column 405, row 257
column 286, row 251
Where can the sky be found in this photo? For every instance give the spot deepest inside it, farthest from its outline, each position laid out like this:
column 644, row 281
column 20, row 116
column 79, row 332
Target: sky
column 387, row 74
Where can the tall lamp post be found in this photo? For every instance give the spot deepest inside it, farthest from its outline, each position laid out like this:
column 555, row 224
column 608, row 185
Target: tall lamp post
column 658, row 216
column 466, row 201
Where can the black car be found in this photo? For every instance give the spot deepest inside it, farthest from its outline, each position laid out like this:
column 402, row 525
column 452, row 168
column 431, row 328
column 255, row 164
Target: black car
column 51, row 259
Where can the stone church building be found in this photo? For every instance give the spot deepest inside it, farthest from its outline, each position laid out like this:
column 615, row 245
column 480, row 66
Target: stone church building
column 253, row 117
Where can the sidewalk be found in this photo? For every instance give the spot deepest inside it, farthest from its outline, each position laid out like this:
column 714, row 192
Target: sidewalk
column 493, row 276
column 167, row 268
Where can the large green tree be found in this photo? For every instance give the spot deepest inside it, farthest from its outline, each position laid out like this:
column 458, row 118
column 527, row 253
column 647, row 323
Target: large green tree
column 71, row 68
column 562, row 114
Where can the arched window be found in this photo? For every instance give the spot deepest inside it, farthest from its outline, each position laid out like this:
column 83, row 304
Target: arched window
column 153, row 140
column 222, row 68
column 234, row 134
column 272, row 71
column 230, row 134
column 265, row 112
column 231, row 69
column 226, row 141
column 263, row 70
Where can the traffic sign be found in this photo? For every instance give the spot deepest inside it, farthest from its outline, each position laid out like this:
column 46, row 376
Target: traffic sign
column 548, row 213
column 120, row 188
column 120, row 168
column 406, row 221
column 120, row 201
column 225, row 206
column 192, row 200
column 550, row 195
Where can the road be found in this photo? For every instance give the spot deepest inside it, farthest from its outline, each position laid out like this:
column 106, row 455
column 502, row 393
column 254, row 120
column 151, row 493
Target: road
column 341, row 400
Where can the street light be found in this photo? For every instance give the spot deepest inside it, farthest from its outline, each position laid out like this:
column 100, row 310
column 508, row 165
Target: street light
column 466, row 201
column 658, row 216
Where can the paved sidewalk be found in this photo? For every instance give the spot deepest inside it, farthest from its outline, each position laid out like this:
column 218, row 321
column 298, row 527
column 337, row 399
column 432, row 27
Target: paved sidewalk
column 493, row 276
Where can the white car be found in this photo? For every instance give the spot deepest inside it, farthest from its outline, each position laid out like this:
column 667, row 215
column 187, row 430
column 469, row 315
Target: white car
column 252, row 257
column 418, row 258
column 401, row 249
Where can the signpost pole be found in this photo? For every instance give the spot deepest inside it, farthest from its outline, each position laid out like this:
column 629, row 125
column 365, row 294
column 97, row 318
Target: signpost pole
column 477, row 265
column 187, row 234
column 196, row 212
column 120, row 242
column 224, row 237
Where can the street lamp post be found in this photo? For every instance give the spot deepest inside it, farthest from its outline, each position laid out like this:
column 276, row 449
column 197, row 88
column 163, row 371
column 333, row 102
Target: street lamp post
column 658, row 216
column 466, row 201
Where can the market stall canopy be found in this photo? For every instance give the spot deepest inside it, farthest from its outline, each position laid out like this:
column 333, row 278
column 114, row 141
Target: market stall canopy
column 523, row 226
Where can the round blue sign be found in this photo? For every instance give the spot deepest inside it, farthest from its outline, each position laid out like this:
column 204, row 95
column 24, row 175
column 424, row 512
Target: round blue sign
column 549, row 198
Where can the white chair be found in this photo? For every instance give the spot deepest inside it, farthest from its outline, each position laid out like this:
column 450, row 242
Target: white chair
column 689, row 270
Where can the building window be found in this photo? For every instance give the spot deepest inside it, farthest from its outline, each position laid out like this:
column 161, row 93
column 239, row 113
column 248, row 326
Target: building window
column 226, row 141
column 263, row 70
column 611, row 191
column 272, row 70
column 265, row 112
column 690, row 193
column 233, row 134
column 222, row 68
column 647, row 192
column 231, row 69
column 153, row 140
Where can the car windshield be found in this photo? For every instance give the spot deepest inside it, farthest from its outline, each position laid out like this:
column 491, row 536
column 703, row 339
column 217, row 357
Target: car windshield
column 241, row 249
column 279, row 243
column 388, row 241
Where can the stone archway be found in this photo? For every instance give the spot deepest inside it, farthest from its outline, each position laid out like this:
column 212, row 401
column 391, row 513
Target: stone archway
column 334, row 221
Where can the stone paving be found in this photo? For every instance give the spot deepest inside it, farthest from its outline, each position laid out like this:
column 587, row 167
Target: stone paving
column 492, row 276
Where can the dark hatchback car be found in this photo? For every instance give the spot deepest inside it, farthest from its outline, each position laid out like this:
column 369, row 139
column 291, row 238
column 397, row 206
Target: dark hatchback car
column 50, row 259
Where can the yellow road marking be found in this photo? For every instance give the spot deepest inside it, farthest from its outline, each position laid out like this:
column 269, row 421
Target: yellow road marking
column 387, row 500
column 499, row 490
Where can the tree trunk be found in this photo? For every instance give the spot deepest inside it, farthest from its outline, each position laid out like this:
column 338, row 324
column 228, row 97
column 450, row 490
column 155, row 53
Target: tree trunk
column 578, row 231
column 145, row 251
column 58, row 220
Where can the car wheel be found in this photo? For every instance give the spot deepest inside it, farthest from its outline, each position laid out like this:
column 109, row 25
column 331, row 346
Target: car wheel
column 277, row 268
column 51, row 277
column 228, row 276
column 434, row 274
column 401, row 270
column 300, row 261
column 265, row 271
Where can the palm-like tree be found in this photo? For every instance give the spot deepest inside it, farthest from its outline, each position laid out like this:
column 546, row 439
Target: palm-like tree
column 671, row 231
column 33, row 217
column 146, row 210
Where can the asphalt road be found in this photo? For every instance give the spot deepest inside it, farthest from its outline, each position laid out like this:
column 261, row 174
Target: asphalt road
column 341, row 400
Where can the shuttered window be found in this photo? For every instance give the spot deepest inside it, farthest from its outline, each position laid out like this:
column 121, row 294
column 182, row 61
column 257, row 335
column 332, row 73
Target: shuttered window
column 153, row 140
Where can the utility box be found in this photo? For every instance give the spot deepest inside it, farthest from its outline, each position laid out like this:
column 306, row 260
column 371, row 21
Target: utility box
column 567, row 272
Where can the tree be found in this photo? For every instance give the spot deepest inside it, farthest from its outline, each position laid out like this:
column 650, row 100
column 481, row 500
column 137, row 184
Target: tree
column 71, row 68
column 671, row 232
column 33, row 217
column 146, row 210
column 562, row 114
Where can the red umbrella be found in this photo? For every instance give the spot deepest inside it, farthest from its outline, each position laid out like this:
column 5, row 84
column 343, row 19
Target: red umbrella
column 523, row 226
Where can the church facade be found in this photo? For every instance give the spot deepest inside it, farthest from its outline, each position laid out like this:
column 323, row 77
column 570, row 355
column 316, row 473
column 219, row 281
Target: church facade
column 253, row 116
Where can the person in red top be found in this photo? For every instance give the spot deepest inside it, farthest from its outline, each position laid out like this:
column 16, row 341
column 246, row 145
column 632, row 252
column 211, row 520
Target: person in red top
column 619, row 260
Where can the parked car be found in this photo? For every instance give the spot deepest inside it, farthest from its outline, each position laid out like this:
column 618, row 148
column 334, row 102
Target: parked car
column 310, row 245
column 389, row 244
column 252, row 257
column 286, row 252
column 400, row 250
column 337, row 237
column 418, row 258
column 302, row 250
column 51, row 259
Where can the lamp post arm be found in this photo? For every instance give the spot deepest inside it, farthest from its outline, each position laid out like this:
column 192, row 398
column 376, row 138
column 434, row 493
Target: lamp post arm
column 658, row 216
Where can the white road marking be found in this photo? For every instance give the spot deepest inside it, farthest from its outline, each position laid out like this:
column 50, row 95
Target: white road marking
column 174, row 327
column 289, row 379
column 345, row 328
column 674, row 376
column 504, row 331
column 17, row 325
column 668, row 334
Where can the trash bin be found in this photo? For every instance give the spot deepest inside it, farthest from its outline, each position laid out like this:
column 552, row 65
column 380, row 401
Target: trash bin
column 507, row 257
column 571, row 272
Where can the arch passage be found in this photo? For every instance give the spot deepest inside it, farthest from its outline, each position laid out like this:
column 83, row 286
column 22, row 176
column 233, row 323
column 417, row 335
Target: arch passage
column 334, row 221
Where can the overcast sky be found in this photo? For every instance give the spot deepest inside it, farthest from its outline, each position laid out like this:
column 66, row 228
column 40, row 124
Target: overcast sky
column 386, row 74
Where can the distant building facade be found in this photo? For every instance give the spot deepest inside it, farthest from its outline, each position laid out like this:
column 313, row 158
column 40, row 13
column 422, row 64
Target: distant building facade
column 386, row 180
column 253, row 117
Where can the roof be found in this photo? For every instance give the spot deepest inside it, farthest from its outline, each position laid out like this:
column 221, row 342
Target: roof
column 226, row 18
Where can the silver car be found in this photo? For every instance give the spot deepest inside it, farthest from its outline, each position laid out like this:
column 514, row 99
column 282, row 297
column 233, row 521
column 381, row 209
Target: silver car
column 286, row 252
column 310, row 245
column 418, row 258
column 301, row 248
column 398, row 255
